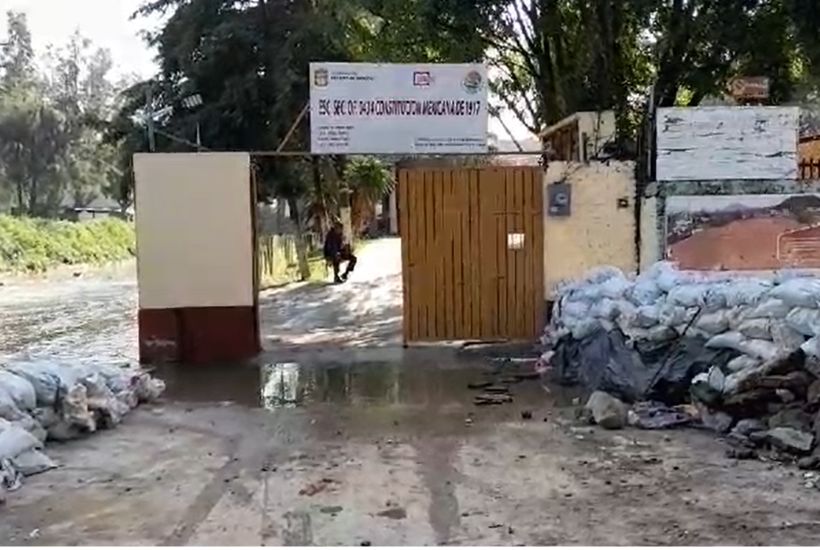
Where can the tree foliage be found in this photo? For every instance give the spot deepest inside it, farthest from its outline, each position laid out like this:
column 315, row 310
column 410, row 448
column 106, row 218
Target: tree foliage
column 52, row 122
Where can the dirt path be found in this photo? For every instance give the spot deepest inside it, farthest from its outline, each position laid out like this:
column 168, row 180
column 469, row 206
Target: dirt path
column 364, row 312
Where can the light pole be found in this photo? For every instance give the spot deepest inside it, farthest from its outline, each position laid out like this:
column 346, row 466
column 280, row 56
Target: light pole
column 191, row 103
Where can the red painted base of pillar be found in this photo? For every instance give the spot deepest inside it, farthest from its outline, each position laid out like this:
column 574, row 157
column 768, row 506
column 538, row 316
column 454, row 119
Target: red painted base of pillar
column 198, row 334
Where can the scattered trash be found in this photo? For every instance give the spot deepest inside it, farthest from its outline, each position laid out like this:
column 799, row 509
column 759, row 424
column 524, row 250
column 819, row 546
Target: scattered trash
column 393, row 513
column 526, row 415
column 492, row 399
column 315, row 488
column 607, row 411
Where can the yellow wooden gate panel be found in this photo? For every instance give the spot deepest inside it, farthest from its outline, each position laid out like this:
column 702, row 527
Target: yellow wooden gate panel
column 472, row 252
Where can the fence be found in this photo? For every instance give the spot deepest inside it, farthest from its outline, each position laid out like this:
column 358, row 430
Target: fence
column 809, row 169
column 278, row 262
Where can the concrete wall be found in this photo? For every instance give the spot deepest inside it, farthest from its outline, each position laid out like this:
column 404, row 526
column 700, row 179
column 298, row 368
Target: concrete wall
column 194, row 230
column 599, row 230
column 722, row 143
column 595, row 130
column 650, row 238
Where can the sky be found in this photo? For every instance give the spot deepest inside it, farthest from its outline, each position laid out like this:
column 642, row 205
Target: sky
column 107, row 23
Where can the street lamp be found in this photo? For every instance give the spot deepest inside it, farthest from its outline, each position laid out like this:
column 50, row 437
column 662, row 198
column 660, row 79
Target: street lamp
column 192, row 102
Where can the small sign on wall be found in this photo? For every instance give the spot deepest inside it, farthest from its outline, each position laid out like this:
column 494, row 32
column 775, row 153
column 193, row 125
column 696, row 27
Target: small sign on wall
column 560, row 199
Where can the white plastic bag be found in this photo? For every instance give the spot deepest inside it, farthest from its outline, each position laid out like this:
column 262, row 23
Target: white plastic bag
column 811, row 347
column 689, row 295
column 672, row 316
column 805, row 321
column 645, row 291
column 798, row 292
column 15, row 440
column 713, row 323
column 48, row 379
column 605, row 309
column 761, row 349
column 573, row 310
column 745, row 292
column 771, row 308
column 646, row 317
column 614, row 288
column 8, row 407
column 20, row 390
column 785, row 337
column 742, row 362
column 32, row 462
column 756, row 328
column 667, row 276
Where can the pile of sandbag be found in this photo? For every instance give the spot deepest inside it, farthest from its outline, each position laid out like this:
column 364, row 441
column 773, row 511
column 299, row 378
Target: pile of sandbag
column 42, row 401
column 741, row 352
column 759, row 318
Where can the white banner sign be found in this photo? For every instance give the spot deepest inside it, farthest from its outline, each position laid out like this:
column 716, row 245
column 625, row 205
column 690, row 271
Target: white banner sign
column 418, row 109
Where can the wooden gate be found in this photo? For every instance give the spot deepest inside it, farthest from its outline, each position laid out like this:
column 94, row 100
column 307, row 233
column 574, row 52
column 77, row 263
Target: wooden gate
column 472, row 253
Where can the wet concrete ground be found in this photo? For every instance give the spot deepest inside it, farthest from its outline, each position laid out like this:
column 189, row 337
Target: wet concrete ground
column 346, row 454
column 321, row 444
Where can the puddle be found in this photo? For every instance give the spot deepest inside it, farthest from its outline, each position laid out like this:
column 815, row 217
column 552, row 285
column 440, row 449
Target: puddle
column 417, row 379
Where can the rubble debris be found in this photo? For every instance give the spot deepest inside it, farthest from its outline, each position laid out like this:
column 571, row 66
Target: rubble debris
column 741, row 454
column 791, row 440
column 809, row 463
column 749, row 425
column 497, row 389
column 653, row 416
column 743, row 349
column 608, row 412
column 492, row 399
column 717, row 421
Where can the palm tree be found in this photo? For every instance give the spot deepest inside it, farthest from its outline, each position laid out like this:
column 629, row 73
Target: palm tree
column 368, row 181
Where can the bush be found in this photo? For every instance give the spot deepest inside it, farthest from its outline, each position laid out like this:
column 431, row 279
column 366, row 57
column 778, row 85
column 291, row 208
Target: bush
column 32, row 244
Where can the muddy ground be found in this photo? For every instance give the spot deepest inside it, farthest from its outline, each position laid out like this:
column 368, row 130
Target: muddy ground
column 383, row 453
column 369, row 443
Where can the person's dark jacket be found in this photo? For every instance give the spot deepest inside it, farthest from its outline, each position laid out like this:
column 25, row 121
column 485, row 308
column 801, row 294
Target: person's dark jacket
column 333, row 243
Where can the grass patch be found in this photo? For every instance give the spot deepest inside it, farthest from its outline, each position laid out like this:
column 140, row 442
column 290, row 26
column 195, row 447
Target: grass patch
column 36, row 245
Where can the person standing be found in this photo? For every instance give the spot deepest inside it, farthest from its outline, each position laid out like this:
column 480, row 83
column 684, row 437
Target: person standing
column 336, row 251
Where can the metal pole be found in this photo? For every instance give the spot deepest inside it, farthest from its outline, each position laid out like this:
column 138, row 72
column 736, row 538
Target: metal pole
column 198, row 138
column 149, row 106
column 293, row 127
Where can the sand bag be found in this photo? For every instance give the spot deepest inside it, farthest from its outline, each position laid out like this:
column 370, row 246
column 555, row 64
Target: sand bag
column 20, row 390
column 805, row 321
column 745, row 292
column 798, row 292
column 15, row 440
column 760, row 329
column 771, row 308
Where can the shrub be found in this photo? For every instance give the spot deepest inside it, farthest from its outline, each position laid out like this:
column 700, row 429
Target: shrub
column 32, row 244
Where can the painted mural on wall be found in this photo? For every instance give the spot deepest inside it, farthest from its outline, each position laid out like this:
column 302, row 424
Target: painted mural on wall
column 743, row 232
